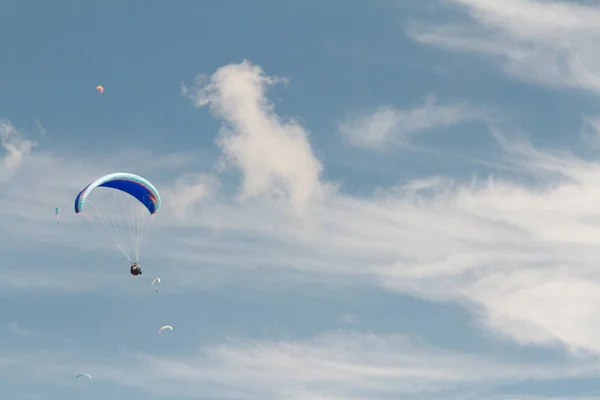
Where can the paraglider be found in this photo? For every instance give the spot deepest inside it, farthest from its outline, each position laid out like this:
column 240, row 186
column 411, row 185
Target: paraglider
column 122, row 202
column 58, row 214
column 155, row 280
column 135, row 269
column 100, row 89
column 83, row 377
column 163, row 328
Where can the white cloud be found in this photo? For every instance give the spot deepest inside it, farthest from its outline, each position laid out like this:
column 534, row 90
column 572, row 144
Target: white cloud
column 549, row 42
column 188, row 191
column 591, row 131
column 17, row 329
column 16, row 148
column 274, row 156
column 40, row 128
column 388, row 127
column 333, row 365
column 349, row 318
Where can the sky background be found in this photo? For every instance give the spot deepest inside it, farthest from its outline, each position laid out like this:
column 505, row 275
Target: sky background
column 361, row 199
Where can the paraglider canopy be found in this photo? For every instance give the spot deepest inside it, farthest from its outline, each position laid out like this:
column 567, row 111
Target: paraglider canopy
column 155, row 280
column 100, row 89
column 83, row 376
column 165, row 327
column 131, row 184
column 122, row 209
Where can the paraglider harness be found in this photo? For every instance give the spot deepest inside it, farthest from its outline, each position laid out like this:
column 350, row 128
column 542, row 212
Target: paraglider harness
column 135, row 269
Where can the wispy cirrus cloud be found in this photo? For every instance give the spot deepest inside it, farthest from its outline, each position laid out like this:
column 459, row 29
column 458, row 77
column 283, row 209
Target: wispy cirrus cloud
column 17, row 329
column 388, row 127
column 16, row 148
column 189, row 191
column 332, row 365
column 545, row 42
column 591, row 131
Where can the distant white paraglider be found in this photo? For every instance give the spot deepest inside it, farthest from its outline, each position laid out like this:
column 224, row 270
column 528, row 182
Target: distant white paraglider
column 163, row 328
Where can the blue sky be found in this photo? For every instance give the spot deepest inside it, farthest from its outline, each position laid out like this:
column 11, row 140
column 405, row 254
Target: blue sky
column 361, row 199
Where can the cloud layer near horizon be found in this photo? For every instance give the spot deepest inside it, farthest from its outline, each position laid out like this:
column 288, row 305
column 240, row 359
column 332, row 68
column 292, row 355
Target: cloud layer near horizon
column 332, row 365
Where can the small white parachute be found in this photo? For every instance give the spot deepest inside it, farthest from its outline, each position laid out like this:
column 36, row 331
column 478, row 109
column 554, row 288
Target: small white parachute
column 155, row 280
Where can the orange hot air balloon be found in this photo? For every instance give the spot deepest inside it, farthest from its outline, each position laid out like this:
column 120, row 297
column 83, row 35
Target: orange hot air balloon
column 100, row 89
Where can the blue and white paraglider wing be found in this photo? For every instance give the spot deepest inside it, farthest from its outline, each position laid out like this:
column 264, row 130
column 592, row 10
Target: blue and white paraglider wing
column 122, row 202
